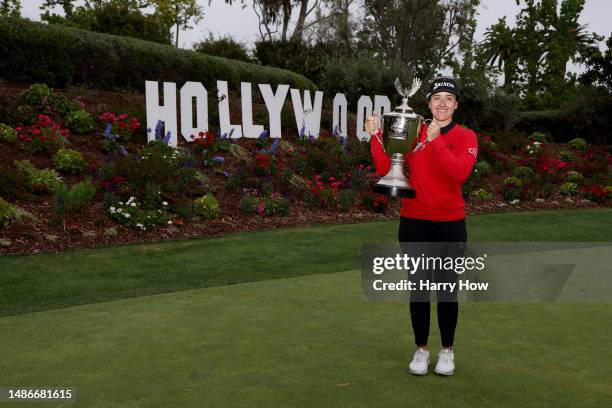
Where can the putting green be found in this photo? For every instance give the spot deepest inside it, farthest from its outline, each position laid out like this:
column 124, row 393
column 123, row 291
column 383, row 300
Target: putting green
column 310, row 341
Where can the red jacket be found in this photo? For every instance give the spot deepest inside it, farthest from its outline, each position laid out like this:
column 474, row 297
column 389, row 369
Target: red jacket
column 437, row 172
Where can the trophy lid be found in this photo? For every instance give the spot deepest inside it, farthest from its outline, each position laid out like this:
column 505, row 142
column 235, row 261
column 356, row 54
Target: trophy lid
column 404, row 109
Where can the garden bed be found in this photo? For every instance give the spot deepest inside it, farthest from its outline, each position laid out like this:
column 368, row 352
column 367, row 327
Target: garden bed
column 249, row 184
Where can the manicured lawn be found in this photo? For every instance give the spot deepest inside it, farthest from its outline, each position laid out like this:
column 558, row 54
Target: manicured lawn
column 308, row 341
column 241, row 335
column 47, row 281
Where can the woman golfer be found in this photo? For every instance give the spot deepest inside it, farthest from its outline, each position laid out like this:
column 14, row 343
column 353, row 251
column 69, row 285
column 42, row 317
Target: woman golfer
column 439, row 165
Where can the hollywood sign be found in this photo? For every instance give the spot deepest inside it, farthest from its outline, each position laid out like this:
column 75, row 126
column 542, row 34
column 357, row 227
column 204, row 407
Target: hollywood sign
column 307, row 114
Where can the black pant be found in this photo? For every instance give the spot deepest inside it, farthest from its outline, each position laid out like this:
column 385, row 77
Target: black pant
column 416, row 230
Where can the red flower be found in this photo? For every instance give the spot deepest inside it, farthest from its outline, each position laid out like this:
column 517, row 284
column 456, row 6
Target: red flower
column 107, row 117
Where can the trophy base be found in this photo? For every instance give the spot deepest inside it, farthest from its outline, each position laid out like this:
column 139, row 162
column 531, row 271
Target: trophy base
column 394, row 191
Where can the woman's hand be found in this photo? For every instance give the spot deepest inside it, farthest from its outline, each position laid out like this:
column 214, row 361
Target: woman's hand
column 433, row 131
column 370, row 125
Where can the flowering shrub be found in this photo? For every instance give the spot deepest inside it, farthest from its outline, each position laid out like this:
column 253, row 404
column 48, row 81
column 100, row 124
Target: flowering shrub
column 482, row 195
column 534, row 148
column 38, row 180
column 596, row 193
column 537, row 137
column 206, row 206
column 323, row 194
column 265, row 164
column 80, row 121
column 7, row 134
column 512, row 188
column 202, row 141
column 131, row 214
column 170, row 170
column 551, row 166
column 577, row 144
column 569, row 188
column 274, row 204
column 375, row 202
column 68, row 161
column 43, row 136
column 122, row 125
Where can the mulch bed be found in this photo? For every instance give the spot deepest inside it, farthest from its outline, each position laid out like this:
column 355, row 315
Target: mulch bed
column 93, row 228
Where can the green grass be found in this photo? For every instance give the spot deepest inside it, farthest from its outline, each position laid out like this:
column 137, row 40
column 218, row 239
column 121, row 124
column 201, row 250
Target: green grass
column 309, row 341
column 47, row 281
column 306, row 341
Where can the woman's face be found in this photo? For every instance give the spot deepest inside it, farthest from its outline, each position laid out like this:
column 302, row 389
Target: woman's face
column 443, row 105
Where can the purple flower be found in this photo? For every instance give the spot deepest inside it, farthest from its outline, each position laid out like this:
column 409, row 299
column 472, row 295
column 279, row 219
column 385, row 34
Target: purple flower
column 122, row 151
column 263, row 134
column 218, row 159
column 336, row 130
column 158, row 130
column 166, row 138
column 302, row 131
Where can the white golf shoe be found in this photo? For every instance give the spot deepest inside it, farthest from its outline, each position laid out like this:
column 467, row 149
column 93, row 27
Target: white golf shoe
column 420, row 362
column 446, row 362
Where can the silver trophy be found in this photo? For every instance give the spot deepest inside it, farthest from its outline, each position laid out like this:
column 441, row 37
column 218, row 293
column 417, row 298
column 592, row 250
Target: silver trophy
column 400, row 129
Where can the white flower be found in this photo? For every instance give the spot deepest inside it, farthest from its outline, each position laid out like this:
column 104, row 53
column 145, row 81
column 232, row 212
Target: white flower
column 126, row 215
column 133, row 204
column 515, row 201
column 112, row 209
column 165, row 203
column 119, row 210
column 169, row 222
column 120, row 202
column 139, row 225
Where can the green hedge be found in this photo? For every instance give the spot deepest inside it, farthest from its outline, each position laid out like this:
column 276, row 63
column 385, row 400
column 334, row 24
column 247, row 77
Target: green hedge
column 60, row 56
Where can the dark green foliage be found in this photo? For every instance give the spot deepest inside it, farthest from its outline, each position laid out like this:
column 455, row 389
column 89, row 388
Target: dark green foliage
column 69, row 161
column 362, row 75
column 36, row 94
column 225, row 47
column 80, row 121
column 60, row 56
column 67, row 200
column 307, row 60
column 154, row 171
column 12, row 184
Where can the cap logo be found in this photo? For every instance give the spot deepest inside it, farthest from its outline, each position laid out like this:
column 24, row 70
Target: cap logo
column 446, row 84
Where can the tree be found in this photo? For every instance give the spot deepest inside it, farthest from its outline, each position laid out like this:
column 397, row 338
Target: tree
column 534, row 54
column 564, row 39
column 179, row 13
column 10, row 8
column 397, row 29
column 118, row 17
column 500, row 48
column 458, row 29
column 599, row 67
